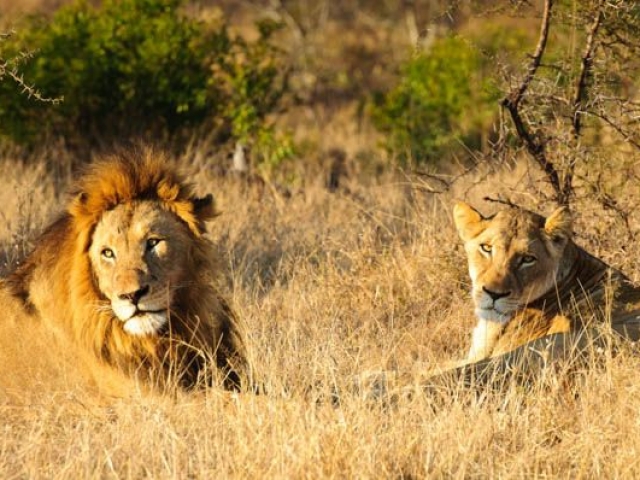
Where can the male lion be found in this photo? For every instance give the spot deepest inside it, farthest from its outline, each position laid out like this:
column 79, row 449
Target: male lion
column 529, row 279
column 127, row 275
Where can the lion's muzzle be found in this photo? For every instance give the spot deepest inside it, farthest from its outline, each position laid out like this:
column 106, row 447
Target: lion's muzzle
column 493, row 305
column 143, row 311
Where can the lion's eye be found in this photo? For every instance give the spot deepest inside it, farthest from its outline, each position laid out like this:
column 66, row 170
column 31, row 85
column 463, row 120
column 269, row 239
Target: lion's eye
column 486, row 248
column 107, row 253
column 152, row 243
column 528, row 260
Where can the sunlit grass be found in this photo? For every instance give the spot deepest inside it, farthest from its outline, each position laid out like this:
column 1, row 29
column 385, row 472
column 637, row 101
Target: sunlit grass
column 334, row 288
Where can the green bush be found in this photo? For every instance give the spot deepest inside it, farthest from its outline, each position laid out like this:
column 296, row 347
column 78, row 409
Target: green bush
column 141, row 67
column 442, row 99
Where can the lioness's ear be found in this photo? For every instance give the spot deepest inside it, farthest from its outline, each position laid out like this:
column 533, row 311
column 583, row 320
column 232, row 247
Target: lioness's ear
column 558, row 225
column 467, row 219
column 204, row 208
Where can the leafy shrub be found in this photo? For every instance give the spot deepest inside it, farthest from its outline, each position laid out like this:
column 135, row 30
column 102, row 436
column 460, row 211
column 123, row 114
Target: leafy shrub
column 441, row 99
column 141, row 67
column 253, row 86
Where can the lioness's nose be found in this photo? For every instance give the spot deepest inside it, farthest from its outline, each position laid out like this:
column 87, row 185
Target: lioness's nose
column 134, row 297
column 495, row 295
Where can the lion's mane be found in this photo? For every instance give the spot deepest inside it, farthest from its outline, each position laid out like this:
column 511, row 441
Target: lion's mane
column 56, row 282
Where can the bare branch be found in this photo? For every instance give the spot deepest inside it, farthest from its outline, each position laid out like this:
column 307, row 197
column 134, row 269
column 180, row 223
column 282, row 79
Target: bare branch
column 585, row 72
column 503, row 201
column 580, row 94
column 515, row 96
column 535, row 146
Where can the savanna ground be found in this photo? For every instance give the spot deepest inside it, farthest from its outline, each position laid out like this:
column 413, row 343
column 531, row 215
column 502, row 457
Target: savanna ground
column 335, row 286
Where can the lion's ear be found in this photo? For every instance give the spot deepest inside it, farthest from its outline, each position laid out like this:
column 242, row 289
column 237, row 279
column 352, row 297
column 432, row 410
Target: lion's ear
column 559, row 224
column 195, row 212
column 467, row 219
column 204, row 208
column 78, row 202
column 81, row 198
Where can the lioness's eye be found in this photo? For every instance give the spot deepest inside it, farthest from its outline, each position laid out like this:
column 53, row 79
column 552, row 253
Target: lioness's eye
column 152, row 242
column 528, row 260
column 107, row 253
column 485, row 248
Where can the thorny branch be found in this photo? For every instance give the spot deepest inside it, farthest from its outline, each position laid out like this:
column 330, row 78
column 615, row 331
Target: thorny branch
column 580, row 95
column 514, row 98
column 536, row 146
column 10, row 68
column 585, row 72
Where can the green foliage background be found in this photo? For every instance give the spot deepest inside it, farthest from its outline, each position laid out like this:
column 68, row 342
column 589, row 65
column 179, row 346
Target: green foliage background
column 146, row 68
column 141, row 67
column 426, row 111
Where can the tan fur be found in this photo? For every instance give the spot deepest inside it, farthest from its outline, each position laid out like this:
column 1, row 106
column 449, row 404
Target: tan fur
column 61, row 281
column 529, row 279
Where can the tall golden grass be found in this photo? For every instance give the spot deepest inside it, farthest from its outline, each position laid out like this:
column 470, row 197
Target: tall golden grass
column 333, row 287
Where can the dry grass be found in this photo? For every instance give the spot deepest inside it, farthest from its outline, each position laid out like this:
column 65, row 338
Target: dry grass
column 332, row 287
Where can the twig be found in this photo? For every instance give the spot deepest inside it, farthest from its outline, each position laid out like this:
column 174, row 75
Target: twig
column 29, row 90
column 430, row 176
column 10, row 68
column 502, row 201
column 626, row 135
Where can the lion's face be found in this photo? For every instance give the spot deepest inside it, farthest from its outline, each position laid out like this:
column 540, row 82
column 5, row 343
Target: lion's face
column 138, row 253
column 514, row 257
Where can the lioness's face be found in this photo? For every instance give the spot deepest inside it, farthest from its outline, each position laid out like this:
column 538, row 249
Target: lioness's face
column 514, row 257
column 137, row 254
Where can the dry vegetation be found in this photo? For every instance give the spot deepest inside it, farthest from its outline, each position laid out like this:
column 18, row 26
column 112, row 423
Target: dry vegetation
column 334, row 287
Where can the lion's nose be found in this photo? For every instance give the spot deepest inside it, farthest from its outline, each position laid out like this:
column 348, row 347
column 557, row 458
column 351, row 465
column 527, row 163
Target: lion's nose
column 134, row 297
column 495, row 295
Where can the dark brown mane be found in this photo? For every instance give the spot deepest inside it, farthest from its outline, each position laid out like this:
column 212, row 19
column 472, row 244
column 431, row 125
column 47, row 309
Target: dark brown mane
column 132, row 175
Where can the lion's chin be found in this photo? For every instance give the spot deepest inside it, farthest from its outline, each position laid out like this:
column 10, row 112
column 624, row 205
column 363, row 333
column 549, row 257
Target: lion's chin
column 145, row 323
column 493, row 315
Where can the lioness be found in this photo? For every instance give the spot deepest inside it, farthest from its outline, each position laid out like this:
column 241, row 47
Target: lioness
column 529, row 279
